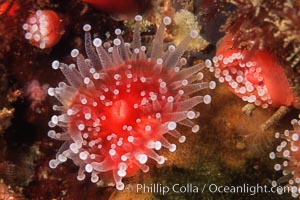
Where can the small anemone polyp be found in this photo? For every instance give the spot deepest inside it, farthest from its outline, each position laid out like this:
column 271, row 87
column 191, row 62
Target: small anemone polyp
column 122, row 103
column 256, row 77
column 44, row 28
column 288, row 150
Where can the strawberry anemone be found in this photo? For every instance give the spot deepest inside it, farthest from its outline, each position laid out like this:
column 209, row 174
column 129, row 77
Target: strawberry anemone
column 122, row 104
column 256, row 77
column 288, row 151
column 44, row 28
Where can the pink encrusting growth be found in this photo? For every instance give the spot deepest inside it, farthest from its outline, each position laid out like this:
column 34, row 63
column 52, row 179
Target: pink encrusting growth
column 255, row 77
column 36, row 93
column 289, row 151
column 123, row 103
column 44, row 28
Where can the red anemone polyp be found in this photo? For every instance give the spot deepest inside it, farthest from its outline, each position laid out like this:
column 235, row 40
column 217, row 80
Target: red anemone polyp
column 115, row 6
column 12, row 6
column 44, row 28
column 123, row 103
column 255, row 77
